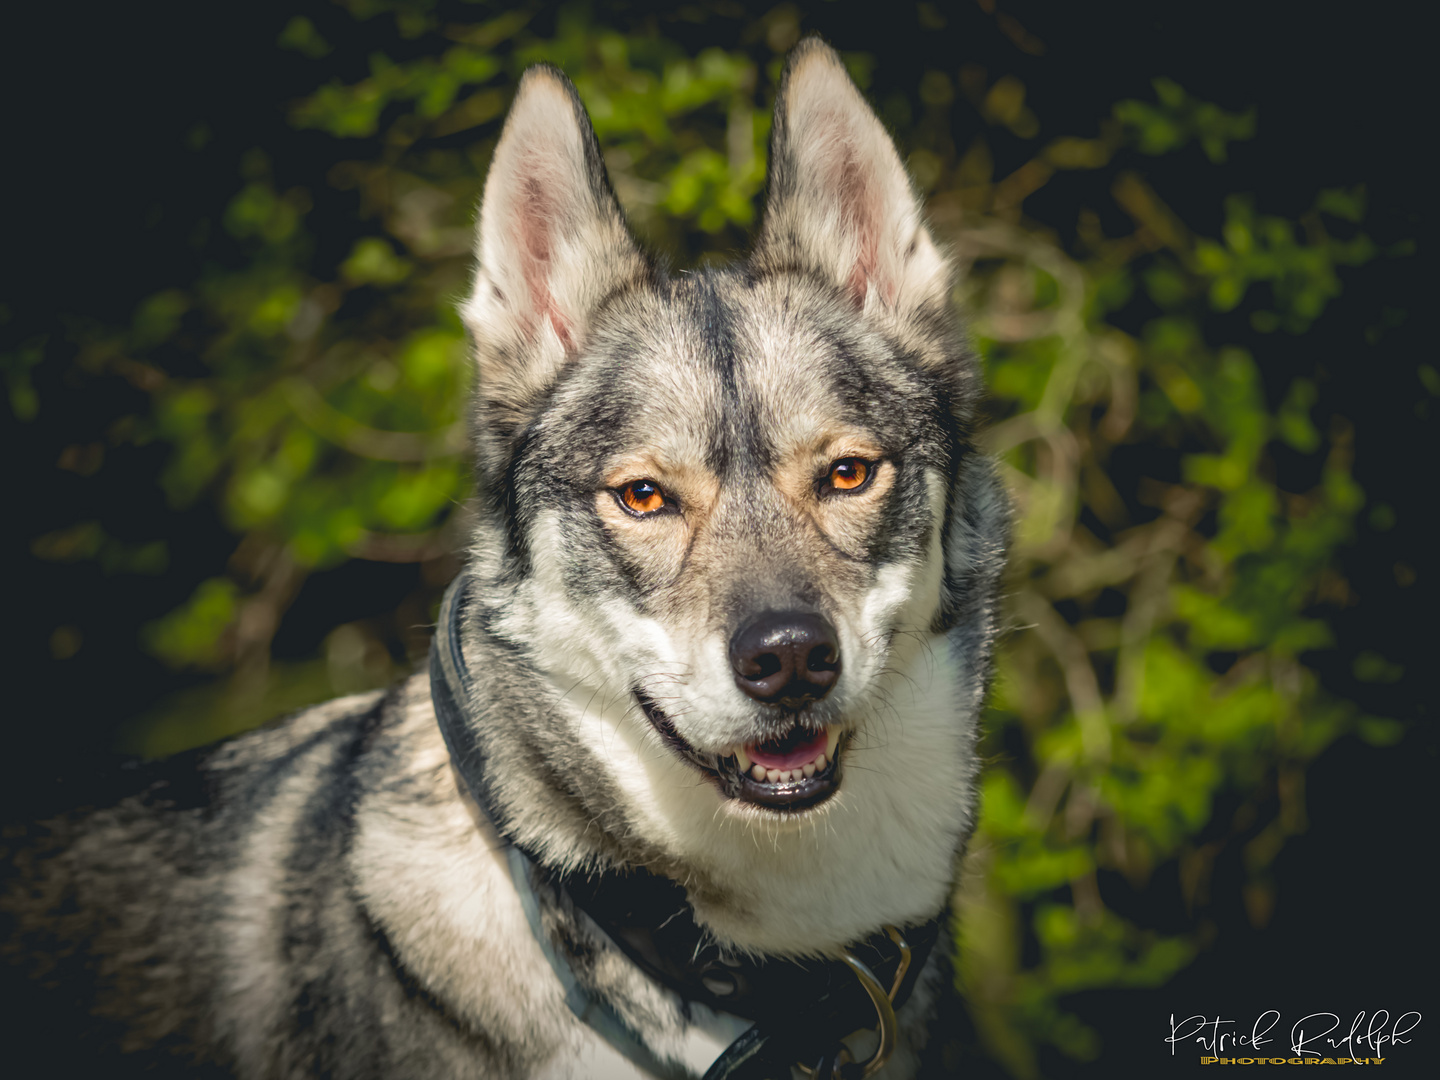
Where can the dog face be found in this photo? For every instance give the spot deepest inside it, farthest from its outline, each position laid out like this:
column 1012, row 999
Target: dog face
column 739, row 508
column 747, row 488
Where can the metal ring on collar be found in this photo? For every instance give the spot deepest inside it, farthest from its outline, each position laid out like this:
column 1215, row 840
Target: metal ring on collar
column 884, row 1009
column 889, row 1027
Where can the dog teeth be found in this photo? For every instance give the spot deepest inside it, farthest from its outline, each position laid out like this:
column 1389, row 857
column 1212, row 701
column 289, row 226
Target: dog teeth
column 761, row 774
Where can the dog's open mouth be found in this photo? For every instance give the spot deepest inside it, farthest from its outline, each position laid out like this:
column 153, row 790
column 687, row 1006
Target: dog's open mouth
column 792, row 771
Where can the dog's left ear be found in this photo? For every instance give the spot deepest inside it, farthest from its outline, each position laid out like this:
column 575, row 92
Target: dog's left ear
column 839, row 199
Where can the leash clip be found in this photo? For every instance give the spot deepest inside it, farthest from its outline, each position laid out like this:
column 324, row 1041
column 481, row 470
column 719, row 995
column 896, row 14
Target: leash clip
column 829, row 1066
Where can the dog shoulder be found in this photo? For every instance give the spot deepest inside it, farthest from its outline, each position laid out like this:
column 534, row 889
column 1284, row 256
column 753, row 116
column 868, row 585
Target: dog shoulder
column 109, row 908
column 315, row 896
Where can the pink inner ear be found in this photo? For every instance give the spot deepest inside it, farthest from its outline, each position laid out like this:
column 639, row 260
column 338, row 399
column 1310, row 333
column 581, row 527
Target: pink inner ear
column 535, row 218
column 860, row 215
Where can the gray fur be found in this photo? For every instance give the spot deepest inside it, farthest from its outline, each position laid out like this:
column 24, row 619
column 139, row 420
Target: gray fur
column 330, row 904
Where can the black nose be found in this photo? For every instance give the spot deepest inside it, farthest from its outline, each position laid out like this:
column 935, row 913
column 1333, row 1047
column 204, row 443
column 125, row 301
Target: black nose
column 787, row 658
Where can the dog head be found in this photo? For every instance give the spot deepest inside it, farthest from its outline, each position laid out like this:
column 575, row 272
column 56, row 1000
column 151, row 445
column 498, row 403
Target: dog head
column 735, row 515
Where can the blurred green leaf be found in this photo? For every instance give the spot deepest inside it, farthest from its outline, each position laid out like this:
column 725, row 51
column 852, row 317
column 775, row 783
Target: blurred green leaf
column 191, row 633
column 1177, row 119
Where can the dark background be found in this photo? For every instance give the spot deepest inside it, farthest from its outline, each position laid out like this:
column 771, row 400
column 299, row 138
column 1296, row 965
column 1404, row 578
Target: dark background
column 103, row 187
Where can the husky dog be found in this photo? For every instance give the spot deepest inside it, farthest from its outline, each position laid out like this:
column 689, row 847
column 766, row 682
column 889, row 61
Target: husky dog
column 697, row 743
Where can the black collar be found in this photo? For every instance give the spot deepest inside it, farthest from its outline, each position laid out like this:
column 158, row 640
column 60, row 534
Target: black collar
column 801, row 1009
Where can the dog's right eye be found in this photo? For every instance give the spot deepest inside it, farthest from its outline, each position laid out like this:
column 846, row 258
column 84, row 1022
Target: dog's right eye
column 643, row 497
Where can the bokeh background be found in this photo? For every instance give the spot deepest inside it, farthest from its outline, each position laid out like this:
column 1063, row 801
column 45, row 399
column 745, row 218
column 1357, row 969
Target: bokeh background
column 1192, row 237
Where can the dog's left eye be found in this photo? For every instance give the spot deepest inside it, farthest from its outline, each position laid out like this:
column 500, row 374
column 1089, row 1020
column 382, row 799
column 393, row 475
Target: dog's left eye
column 643, row 497
column 847, row 475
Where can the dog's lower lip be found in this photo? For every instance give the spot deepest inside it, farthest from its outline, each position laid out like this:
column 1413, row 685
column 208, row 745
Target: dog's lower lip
column 811, row 777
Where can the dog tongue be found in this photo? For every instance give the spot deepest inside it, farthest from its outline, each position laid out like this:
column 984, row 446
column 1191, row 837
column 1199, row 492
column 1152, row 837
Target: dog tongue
column 784, row 753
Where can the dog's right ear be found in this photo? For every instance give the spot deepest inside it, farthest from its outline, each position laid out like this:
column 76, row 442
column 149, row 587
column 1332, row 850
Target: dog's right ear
column 551, row 244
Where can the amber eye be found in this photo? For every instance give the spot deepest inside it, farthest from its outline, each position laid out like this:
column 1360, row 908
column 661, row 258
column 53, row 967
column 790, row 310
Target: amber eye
column 848, row 474
column 642, row 497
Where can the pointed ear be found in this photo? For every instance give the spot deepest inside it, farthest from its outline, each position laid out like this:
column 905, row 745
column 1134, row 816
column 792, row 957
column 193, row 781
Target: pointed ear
column 839, row 199
column 551, row 242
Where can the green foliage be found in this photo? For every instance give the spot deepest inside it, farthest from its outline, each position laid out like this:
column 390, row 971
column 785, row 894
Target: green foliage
column 1176, row 118
column 88, row 540
column 191, row 633
column 1163, row 625
column 24, row 401
column 1177, row 674
column 1302, row 276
